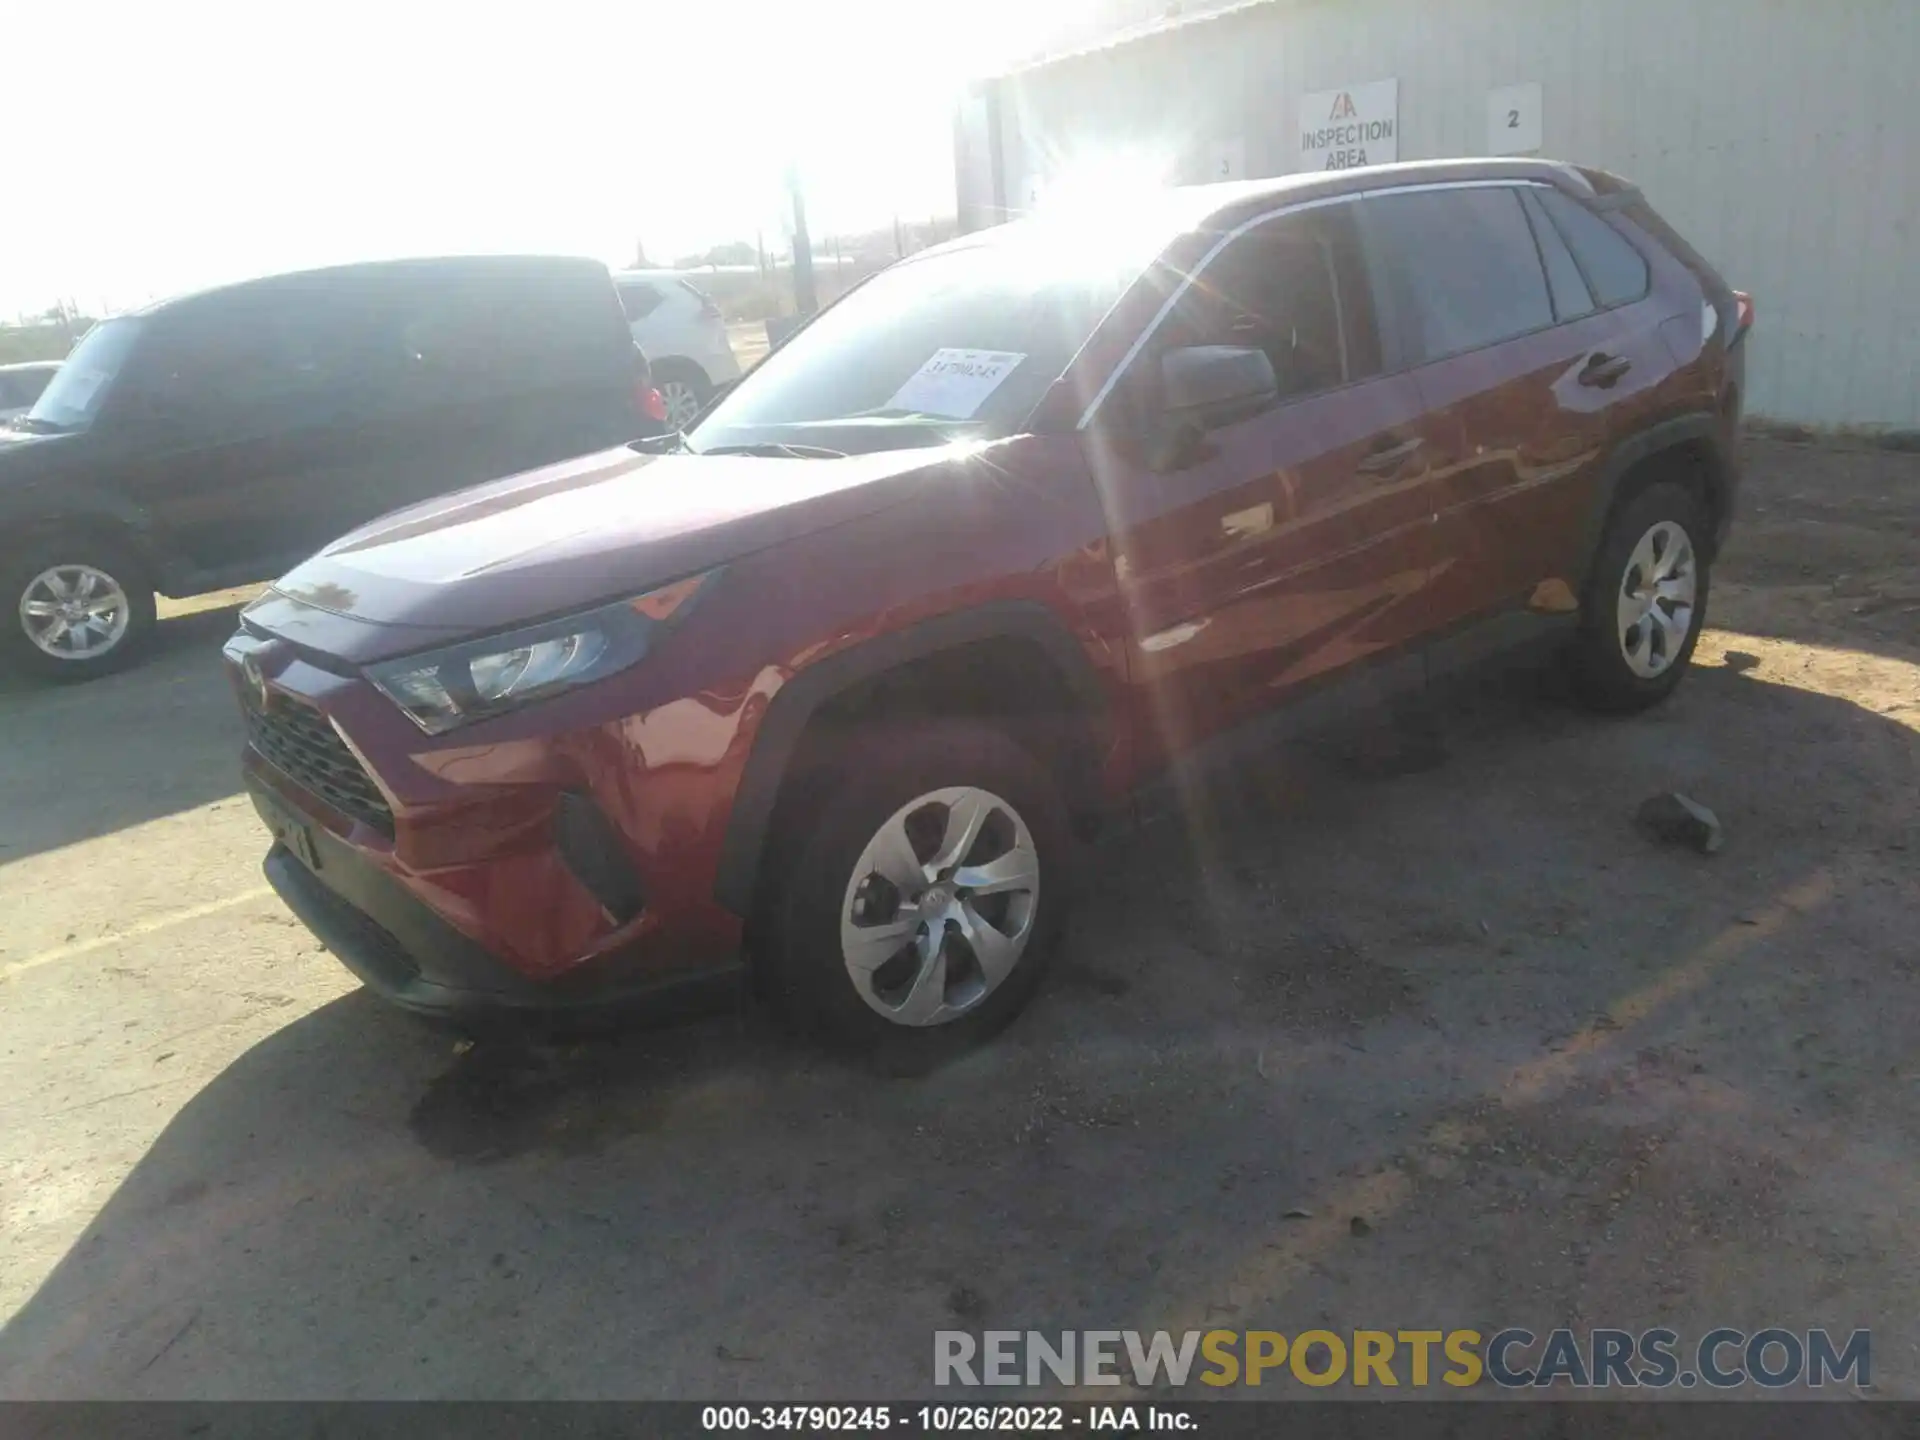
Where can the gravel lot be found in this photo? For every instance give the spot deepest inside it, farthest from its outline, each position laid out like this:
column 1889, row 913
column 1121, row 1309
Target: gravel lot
column 1565, row 1075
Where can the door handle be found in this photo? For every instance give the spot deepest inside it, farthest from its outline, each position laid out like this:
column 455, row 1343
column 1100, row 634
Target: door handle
column 1602, row 370
column 1389, row 457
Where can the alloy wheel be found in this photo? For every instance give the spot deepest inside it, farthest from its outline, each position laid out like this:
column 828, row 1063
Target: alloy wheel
column 1656, row 605
column 940, row 906
column 75, row 612
column 681, row 401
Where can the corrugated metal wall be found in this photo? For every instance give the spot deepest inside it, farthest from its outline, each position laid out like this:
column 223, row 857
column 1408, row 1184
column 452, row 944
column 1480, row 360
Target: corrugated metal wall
column 1781, row 136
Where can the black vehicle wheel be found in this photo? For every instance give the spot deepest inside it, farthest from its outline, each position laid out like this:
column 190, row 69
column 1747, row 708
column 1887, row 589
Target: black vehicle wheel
column 1646, row 602
column 77, row 606
column 916, row 913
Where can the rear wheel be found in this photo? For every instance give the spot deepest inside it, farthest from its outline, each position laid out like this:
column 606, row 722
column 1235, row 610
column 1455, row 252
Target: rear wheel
column 917, row 912
column 77, row 606
column 684, row 390
column 1645, row 603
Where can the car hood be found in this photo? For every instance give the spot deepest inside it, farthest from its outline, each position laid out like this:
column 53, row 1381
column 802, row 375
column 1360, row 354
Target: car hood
column 587, row 530
column 16, row 445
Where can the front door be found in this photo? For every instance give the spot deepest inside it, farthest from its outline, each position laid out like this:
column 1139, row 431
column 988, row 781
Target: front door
column 1279, row 547
column 236, row 429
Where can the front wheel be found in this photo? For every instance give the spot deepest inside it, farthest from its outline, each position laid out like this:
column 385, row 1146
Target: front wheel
column 78, row 607
column 1646, row 601
column 919, row 910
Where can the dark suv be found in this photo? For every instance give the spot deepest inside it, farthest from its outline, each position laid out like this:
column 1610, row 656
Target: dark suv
column 218, row 438
column 830, row 686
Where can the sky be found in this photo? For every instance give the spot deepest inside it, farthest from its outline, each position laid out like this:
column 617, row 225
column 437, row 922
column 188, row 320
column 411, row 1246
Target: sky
column 190, row 142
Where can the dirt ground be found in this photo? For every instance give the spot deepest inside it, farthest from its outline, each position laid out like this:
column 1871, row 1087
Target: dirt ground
column 1565, row 1075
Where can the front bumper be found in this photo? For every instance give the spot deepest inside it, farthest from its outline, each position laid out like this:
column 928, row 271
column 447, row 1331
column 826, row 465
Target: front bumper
column 409, row 956
column 551, row 870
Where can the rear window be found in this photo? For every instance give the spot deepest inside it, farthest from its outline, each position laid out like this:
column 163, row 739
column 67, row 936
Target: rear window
column 1616, row 272
column 1459, row 266
column 638, row 299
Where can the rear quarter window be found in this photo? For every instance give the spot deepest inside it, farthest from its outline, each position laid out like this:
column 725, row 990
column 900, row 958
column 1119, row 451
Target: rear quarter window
column 1616, row 273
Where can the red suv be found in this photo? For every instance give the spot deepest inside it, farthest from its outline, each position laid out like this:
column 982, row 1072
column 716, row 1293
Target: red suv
column 828, row 686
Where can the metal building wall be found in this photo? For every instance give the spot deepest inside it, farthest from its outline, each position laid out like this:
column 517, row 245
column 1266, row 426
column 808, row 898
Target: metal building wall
column 1782, row 137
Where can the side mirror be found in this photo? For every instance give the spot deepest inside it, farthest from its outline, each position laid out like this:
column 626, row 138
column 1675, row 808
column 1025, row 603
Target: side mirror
column 1213, row 384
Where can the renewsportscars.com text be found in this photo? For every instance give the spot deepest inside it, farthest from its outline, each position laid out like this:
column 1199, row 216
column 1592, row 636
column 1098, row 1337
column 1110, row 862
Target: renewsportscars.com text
column 1512, row 1358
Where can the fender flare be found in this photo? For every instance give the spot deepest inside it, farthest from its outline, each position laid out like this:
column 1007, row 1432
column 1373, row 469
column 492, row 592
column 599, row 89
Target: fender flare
column 796, row 703
column 1698, row 426
column 82, row 506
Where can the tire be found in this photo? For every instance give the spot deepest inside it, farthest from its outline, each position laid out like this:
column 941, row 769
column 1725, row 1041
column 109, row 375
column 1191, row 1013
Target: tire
column 71, row 557
column 889, row 1012
column 684, row 389
column 1620, row 668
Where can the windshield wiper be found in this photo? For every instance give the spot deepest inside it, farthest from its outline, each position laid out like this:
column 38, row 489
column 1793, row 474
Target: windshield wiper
column 777, row 450
column 37, row 426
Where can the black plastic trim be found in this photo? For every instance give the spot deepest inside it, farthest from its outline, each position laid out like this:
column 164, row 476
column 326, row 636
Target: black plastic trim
column 1666, row 435
column 412, row 958
column 590, row 847
column 797, row 701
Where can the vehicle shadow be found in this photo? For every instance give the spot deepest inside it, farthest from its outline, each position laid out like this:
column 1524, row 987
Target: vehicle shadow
column 1826, row 550
column 164, row 736
column 1272, row 1081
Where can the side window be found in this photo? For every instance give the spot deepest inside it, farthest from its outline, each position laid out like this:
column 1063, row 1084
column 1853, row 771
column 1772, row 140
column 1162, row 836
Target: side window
column 1459, row 266
column 639, row 300
column 1571, row 298
column 1615, row 270
column 10, row 396
column 1289, row 287
column 254, row 360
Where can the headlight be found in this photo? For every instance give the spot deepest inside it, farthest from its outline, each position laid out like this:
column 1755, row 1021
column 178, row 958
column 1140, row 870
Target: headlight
column 480, row 678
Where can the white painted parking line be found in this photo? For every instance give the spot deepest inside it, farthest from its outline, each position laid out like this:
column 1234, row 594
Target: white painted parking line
column 132, row 932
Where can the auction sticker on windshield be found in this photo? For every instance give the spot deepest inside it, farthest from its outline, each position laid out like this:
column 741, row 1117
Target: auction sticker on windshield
column 954, row 384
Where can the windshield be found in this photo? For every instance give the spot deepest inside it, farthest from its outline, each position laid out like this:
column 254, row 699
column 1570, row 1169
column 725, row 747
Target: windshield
column 72, row 398
column 958, row 344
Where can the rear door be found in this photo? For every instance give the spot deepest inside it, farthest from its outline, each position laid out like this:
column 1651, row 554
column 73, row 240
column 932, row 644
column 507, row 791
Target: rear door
column 1513, row 355
column 1297, row 541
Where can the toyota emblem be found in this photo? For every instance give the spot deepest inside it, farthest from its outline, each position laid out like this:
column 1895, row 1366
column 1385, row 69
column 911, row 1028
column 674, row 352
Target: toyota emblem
column 256, row 682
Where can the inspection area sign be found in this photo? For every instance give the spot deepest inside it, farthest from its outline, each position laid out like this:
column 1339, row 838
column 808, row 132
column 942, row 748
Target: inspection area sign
column 1357, row 125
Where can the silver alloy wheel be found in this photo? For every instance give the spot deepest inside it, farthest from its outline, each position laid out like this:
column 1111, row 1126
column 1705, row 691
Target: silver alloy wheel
column 75, row 612
column 940, row 906
column 682, row 402
column 1656, row 604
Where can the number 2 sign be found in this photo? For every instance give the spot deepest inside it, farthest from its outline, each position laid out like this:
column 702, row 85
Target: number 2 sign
column 1514, row 125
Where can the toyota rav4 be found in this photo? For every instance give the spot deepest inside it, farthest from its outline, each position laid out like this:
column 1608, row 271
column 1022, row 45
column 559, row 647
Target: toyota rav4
column 830, row 686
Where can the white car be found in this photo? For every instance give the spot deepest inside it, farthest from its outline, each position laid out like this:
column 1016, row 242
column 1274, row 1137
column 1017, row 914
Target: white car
column 685, row 338
column 20, row 386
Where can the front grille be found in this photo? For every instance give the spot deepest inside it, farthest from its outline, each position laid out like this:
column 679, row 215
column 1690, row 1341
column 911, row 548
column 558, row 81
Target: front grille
column 297, row 740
